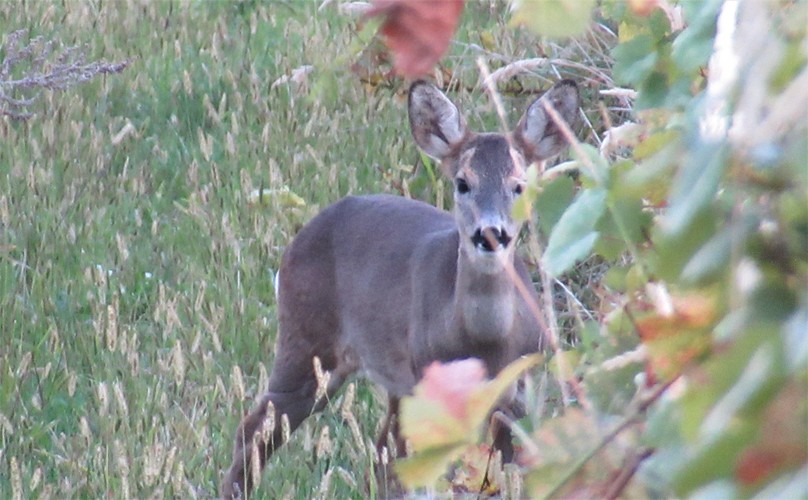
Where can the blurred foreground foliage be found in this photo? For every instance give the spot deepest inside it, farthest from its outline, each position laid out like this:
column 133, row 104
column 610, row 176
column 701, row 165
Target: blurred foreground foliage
column 693, row 379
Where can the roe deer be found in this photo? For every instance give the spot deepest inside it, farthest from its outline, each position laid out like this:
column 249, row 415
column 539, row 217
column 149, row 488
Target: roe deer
column 386, row 285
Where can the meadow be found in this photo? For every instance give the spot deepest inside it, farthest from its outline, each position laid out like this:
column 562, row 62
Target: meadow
column 137, row 309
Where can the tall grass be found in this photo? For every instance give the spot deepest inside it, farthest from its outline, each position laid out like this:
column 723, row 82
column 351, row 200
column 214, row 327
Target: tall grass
column 137, row 313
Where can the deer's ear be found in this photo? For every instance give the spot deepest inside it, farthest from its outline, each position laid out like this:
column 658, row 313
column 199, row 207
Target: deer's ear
column 537, row 134
column 435, row 121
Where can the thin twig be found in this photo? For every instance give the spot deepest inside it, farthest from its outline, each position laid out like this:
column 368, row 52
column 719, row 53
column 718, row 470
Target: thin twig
column 632, row 418
column 626, row 473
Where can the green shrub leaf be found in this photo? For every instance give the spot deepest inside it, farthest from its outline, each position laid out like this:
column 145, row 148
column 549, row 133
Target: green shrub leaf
column 574, row 236
column 554, row 18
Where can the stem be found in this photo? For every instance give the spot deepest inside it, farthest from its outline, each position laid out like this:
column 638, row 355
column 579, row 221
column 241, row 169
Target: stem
column 626, row 473
column 609, row 437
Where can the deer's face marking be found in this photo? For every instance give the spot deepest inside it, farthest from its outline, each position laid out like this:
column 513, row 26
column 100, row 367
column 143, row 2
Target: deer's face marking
column 488, row 176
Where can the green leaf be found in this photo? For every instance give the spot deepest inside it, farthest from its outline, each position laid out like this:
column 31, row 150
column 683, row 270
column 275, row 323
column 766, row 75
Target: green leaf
column 713, row 460
column 283, row 196
column 693, row 46
column 564, row 363
column 574, row 236
column 554, row 18
column 592, row 165
column 654, row 92
column 714, row 256
column 425, row 468
column 634, row 60
column 674, row 252
column 484, row 399
column 663, row 425
column 624, row 223
column 796, row 345
column 654, row 143
column 523, row 206
column 553, row 201
column 695, row 186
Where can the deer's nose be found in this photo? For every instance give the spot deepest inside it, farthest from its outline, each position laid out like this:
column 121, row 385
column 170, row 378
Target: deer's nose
column 491, row 238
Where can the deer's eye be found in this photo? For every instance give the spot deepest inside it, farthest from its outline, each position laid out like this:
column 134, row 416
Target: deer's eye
column 461, row 185
column 518, row 189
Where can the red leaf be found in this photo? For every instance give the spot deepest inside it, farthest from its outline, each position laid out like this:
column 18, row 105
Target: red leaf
column 642, row 8
column 451, row 384
column 756, row 464
column 677, row 338
column 781, row 443
column 418, row 32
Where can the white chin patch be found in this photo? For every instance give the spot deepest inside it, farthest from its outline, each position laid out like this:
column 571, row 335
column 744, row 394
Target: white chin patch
column 487, row 261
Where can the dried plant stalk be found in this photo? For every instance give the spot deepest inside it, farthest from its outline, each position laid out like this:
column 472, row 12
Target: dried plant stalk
column 28, row 67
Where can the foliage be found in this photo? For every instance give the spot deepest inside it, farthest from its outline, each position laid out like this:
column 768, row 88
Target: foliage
column 447, row 409
column 554, row 18
column 418, row 33
column 704, row 328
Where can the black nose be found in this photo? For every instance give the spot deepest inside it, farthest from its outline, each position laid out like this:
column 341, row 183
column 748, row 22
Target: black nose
column 490, row 238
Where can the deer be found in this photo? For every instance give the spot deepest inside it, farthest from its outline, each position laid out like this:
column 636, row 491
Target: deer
column 385, row 285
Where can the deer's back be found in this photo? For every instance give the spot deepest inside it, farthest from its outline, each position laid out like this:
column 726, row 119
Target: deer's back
column 345, row 287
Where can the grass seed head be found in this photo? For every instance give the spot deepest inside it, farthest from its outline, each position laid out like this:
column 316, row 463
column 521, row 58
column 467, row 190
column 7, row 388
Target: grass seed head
column 268, row 425
column 152, row 464
column 121, row 458
column 36, row 478
column 255, row 464
column 325, row 485
column 178, row 478
column 84, row 429
column 71, row 383
column 16, row 479
column 323, row 377
column 324, row 445
column 5, row 425
column 168, row 466
column 237, row 382
column 285, row 428
column 120, row 399
column 111, row 330
column 103, row 399
column 178, row 364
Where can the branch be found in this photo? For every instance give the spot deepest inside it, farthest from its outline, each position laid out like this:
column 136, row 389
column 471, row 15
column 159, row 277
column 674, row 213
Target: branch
column 632, row 418
column 41, row 66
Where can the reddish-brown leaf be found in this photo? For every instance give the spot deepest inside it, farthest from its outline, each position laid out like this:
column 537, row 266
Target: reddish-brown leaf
column 453, row 383
column 642, row 8
column 417, row 32
column 781, row 445
column 674, row 340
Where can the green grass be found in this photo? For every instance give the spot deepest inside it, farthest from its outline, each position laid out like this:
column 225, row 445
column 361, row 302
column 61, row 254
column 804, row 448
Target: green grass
column 136, row 279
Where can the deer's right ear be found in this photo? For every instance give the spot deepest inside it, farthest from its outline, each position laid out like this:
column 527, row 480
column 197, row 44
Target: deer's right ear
column 436, row 123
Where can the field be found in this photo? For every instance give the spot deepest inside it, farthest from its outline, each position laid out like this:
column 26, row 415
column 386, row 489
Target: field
column 137, row 310
column 145, row 204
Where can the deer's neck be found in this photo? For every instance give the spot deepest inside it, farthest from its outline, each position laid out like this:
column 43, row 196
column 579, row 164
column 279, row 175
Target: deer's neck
column 484, row 302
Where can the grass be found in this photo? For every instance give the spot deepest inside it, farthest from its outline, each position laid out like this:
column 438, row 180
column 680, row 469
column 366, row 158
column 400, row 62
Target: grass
column 137, row 313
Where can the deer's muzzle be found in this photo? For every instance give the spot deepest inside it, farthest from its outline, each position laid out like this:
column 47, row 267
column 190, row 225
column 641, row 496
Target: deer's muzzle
column 491, row 239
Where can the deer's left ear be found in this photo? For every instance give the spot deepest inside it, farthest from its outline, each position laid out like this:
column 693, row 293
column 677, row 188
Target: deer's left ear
column 537, row 134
